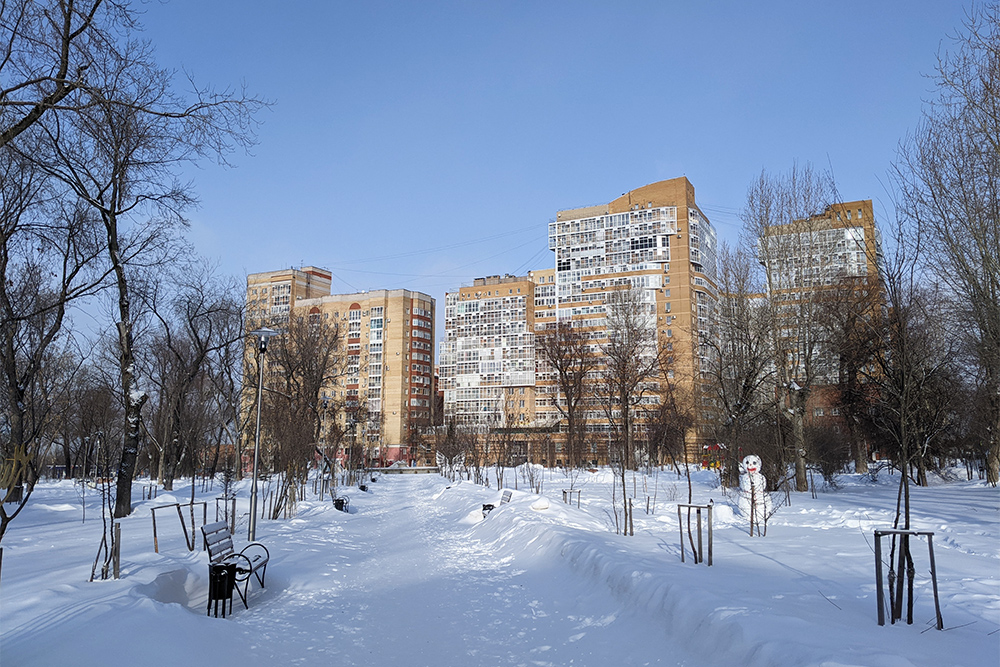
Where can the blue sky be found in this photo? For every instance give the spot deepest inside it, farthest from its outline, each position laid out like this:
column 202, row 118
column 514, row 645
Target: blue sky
column 423, row 144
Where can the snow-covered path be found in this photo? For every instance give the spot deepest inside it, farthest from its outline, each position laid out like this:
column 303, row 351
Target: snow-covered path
column 404, row 578
column 414, row 576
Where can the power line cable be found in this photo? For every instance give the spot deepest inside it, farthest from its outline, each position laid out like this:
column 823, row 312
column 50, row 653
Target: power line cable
column 450, row 246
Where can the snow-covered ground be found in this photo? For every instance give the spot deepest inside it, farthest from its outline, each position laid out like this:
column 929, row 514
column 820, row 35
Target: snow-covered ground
column 415, row 576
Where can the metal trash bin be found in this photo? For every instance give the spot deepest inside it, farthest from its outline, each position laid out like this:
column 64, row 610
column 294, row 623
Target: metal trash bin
column 221, row 581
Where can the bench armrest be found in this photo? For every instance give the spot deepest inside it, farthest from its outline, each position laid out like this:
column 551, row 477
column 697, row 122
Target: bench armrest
column 256, row 546
column 243, row 566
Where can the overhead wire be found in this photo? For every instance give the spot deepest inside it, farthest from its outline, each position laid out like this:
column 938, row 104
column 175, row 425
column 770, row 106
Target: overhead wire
column 449, row 274
column 725, row 212
column 530, row 260
column 450, row 246
column 343, row 266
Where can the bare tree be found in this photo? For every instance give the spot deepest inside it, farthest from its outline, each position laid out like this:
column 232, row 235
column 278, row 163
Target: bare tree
column 633, row 360
column 567, row 352
column 225, row 376
column 780, row 213
column 46, row 49
column 476, row 442
column 848, row 312
column 195, row 314
column 741, row 366
column 118, row 150
column 84, row 103
column 302, row 366
column 47, row 257
column 949, row 177
column 913, row 370
column 667, row 426
column 500, row 434
column 449, row 450
column 914, row 366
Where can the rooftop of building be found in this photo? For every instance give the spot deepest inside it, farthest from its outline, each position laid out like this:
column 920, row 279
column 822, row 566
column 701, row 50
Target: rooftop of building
column 670, row 192
column 369, row 294
column 829, row 218
column 498, row 280
column 313, row 271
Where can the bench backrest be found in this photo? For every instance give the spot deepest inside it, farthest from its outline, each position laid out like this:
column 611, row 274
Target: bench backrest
column 218, row 540
column 505, row 498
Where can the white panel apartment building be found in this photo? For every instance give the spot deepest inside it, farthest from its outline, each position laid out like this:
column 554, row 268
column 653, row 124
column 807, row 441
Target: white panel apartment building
column 487, row 359
column 654, row 238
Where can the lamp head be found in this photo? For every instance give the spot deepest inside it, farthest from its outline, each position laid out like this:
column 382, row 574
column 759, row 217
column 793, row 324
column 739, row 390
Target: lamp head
column 264, row 335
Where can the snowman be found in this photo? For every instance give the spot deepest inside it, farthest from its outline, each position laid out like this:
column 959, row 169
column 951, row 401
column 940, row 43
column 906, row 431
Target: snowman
column 753, row 490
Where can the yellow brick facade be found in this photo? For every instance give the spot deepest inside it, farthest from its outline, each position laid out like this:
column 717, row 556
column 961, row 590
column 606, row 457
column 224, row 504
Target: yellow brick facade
column 653, row 237
column 388, row 339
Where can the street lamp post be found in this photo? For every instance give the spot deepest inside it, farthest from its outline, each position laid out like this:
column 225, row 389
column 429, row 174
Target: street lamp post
column 352, row 423
column 263, row 336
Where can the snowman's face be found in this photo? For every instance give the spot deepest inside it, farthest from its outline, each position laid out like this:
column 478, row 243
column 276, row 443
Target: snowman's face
column 751, row 464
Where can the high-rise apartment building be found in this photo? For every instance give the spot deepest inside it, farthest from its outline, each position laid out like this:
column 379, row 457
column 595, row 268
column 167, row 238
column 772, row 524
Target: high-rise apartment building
column 487, row 361
column 386, row 385
column 654, row 239
column 271, row 295
column 808, row 263
column 390, row 363
column 808, row 255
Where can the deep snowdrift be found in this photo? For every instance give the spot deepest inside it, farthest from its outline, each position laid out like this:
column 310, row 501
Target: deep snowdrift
column 415, row 576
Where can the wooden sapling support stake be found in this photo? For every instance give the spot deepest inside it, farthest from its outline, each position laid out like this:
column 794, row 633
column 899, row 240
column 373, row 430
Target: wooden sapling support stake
column 228, row 511
column 117, row 553
column 180, row 515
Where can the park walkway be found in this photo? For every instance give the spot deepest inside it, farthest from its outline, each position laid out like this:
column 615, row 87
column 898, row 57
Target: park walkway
column 403, row 583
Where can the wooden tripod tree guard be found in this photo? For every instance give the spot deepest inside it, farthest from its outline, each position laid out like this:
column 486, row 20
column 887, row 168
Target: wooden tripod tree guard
column 698, row 554
column 880, row 592
column 189, row 541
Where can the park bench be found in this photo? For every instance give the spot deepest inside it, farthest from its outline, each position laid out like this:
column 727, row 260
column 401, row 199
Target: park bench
column 504, row 498
column 252, row 560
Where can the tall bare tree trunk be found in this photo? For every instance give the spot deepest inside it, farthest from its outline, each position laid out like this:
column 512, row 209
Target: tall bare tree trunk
column 132, row 399
column 797, row 399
